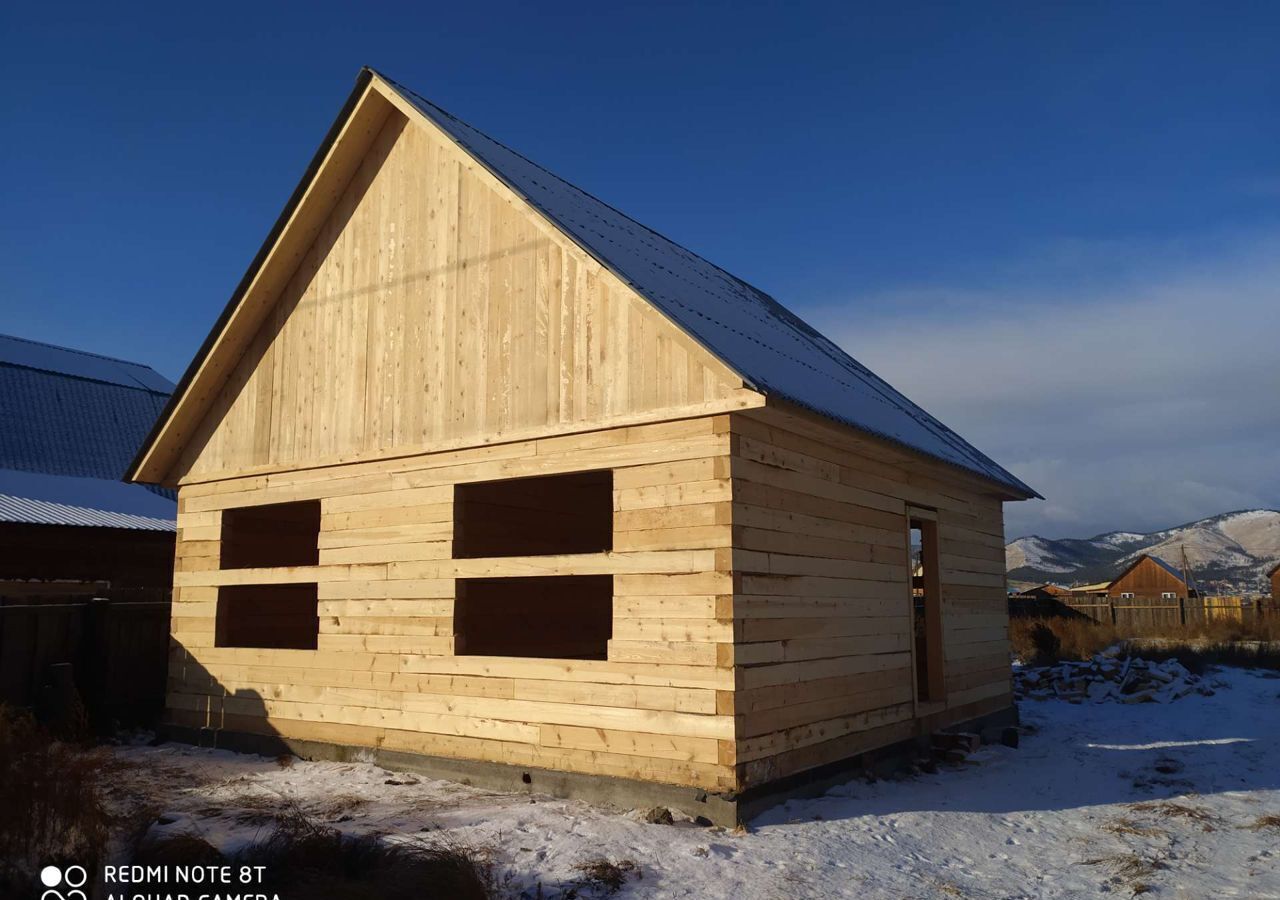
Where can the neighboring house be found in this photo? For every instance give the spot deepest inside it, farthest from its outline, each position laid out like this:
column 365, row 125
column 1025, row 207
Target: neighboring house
column 1042, row 592
column 68, row 524
column 1096, row 589
column 1150, row 577
column 476, row 468
column 1147, row 577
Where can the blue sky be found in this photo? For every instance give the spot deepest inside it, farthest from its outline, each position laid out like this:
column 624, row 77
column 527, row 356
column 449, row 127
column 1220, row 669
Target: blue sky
column 1056, row 226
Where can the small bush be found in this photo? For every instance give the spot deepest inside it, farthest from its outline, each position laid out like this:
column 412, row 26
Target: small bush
column 1047, row 644
column 50, row 808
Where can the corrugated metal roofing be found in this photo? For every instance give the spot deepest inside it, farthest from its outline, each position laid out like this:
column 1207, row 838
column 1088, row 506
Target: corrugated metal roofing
column 72, row 422
column 768, row 345
column 42, row 512
column 16, row 351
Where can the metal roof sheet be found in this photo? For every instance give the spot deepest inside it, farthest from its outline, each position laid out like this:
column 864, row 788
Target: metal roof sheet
column 16, row 351
column 63, row 425
column 42, row 512
column 70, row 422
column 768, row 345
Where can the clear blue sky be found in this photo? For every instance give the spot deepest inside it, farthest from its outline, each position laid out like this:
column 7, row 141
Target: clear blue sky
column 882, row 169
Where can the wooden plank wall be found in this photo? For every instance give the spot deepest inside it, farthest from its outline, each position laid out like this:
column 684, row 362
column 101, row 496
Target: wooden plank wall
column 436, row 309
column 1147, row 579
column 824, row 652
column 384, row 673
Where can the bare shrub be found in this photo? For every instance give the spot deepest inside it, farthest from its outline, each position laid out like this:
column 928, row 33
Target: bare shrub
column 605, row 877
column 50, row 808
column 1046, row 643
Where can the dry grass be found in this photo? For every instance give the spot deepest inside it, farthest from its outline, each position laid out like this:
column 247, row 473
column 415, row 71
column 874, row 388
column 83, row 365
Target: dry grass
column 1170, row 810
column 302, row 857
column 1131, row 869
column 1251, row 643
column 605, row 877
column 51, row 811
column 1264, row 822
column 1129, row 826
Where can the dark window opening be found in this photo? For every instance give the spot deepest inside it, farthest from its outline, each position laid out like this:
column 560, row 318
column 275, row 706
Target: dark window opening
column 271, row 536
column 926, row 607
column 540, row 516
column 283, row 616
column 555, row 617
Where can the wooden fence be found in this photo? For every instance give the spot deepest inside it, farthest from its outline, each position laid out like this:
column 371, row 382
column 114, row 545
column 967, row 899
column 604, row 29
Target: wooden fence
column 114, row 650
column 1155, row 613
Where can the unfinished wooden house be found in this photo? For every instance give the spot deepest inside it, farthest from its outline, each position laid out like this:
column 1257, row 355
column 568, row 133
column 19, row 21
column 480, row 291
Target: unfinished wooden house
column 476, row 468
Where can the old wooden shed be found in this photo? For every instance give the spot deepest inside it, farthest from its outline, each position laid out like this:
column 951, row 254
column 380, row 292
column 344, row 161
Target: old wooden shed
column 476, row 468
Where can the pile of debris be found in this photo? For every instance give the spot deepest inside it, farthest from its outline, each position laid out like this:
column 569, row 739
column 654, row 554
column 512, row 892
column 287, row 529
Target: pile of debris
column 1109, row 678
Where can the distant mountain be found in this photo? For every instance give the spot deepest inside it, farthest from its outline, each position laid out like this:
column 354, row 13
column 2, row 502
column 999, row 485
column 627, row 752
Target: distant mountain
column 1234, row 548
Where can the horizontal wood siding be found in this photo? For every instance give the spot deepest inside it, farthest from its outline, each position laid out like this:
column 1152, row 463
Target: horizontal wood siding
column 384, row 672
column 824, row 656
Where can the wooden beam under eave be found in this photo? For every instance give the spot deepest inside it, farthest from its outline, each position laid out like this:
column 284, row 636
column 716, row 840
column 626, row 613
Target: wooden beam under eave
column 247, row 314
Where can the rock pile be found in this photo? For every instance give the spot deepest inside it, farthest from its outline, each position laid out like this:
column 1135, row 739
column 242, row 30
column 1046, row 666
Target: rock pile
column 1108, row 678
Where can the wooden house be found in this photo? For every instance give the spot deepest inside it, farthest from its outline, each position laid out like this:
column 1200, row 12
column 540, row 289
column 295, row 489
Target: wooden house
column 72, row 421
column 477, row 473
column 1274, row 576
column 1149, row 577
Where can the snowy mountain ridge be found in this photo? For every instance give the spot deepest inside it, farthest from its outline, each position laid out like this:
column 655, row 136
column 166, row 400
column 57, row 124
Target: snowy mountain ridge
column 1235, row 549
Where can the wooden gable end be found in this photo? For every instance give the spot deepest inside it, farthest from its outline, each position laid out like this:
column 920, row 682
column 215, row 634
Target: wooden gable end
column 435, row 308
column 1147, row 578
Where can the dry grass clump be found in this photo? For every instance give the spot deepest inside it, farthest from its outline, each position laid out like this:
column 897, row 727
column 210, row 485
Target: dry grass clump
column 603, row 877
column 1264, row 822
column 1253, row 642
column 51, row 812
column 1131, row 869
column 1129, row 826
column 1170, row 810
column 301, row 857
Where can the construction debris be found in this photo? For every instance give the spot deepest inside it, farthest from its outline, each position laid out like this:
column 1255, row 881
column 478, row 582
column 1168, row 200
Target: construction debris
column 1108, row 678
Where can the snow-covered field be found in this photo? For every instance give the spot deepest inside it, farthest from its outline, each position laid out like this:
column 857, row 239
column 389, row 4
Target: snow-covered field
column 1100, row 800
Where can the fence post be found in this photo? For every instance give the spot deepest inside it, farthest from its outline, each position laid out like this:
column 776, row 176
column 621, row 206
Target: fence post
column 1182, row 610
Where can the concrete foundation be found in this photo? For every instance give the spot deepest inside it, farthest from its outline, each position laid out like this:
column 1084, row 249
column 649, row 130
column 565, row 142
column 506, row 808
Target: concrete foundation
column 624, row 793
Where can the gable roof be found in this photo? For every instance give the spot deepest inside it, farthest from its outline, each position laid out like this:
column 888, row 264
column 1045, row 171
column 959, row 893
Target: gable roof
column 1155, row 559
column 772, row 349
column 73, row 421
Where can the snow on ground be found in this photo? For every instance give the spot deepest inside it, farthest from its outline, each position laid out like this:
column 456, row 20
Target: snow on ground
column 1100, row 801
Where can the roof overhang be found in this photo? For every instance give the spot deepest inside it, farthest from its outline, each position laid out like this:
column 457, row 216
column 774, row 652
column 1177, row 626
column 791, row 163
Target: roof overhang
column 331, row 169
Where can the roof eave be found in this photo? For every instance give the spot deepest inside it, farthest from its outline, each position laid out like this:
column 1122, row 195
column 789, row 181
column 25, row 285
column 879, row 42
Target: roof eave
column 134, row 472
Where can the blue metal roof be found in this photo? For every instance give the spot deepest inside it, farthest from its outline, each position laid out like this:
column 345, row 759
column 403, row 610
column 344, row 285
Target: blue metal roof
column 769, row 346
column 16, row 351
column 72, row 422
